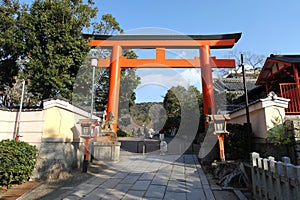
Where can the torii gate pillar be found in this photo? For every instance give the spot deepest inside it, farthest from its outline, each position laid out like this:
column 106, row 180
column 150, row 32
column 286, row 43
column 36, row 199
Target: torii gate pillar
column 207, row 81
column 114, row 82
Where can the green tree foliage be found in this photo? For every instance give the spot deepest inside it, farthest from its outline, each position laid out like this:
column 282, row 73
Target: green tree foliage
column 82, row 88
column 149, row 114
column 56, row 49
column 129, row 82
column 278, row 133
column 178, row 98
column 108, row 25
column 17, row 161
column 11, row 44
column 172, row 105
column 43, row 44
column 129, row 79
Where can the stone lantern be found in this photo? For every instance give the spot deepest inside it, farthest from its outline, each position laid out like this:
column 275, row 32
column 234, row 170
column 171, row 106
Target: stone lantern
column 219, row 128
column 88, row 131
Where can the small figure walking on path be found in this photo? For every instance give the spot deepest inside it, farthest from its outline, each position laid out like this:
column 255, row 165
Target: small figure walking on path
column 139, row 132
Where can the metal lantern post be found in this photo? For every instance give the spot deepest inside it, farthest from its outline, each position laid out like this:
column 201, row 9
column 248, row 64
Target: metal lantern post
column 87, row 125
column 94, row 64
column 219, row 124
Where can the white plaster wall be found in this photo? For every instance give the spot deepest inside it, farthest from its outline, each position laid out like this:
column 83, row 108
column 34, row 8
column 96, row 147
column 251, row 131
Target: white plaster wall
column 261, row 115
column 58, row 116
column 30, row 128
column 6, row 124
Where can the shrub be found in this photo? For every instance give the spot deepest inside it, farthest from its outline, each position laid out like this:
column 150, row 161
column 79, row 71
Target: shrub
column 17, row 161
column 278, row 134
column 121, row 133
column 236, row 143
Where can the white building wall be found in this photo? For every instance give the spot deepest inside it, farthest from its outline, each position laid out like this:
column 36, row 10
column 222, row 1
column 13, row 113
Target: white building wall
column 261, row 115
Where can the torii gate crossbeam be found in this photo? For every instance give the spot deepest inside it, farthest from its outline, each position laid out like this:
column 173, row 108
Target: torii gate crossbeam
column 204, row 43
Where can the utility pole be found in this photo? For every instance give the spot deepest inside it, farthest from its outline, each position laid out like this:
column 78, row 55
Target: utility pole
column 248, row 124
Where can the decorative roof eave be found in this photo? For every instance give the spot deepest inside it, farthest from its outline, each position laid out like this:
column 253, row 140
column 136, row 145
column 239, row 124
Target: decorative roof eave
column 272, row 67
column 274, row 101
column 235, row 36
column 170, row 41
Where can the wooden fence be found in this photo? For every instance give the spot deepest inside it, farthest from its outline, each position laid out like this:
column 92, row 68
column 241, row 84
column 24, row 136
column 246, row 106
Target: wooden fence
column 274, row 179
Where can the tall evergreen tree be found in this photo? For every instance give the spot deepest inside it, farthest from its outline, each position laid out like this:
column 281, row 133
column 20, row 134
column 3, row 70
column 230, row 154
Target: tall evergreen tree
column 43, row 44
column 129, row 79
column 11, row 46
column 182, row 104
column 56, row 49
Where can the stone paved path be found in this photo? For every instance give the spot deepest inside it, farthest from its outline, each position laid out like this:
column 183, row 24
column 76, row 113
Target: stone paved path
column 146, row 177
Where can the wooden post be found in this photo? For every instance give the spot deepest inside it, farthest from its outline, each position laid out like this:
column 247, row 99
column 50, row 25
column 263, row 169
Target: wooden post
column 288, row 174
column 114, row 83
column 259, row 177
column 271, row 167
column 264, row 178
column 221, row 146
column 297, row 177
column 207, row 81
column 253, row 157
column 277, row 176
column 86, row 141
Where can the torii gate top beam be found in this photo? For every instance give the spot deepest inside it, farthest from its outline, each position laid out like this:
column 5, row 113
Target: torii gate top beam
column 164, row 41
column 160, row 42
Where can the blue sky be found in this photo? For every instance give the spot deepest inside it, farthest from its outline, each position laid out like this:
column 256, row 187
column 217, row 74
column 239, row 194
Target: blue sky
column 267, row 26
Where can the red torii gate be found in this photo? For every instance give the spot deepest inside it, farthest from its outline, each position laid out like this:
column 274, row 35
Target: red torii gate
column 161, row 42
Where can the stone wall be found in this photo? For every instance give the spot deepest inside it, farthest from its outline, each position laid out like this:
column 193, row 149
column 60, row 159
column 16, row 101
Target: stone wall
column 57, row 158
column 295, row 127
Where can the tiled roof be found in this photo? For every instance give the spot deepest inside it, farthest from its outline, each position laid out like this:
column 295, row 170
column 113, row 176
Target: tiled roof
column 233, row 84
column 286, row 58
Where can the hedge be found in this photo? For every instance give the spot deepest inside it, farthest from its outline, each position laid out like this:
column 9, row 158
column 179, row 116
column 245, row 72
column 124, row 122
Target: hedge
column 17, row 161
column 236, row 143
